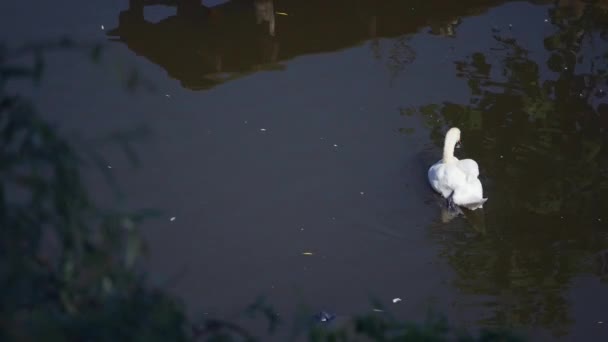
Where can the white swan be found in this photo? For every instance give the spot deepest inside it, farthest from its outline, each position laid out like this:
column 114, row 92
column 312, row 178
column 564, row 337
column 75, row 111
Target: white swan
column 456, row 180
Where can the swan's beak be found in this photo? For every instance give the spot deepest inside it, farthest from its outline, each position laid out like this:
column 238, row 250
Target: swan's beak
column 458, row 144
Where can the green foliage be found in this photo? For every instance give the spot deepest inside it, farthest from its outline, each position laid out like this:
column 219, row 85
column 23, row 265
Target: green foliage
column 66, row 267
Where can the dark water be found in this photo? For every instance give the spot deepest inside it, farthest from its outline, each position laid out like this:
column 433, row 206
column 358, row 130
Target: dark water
column 307, row 126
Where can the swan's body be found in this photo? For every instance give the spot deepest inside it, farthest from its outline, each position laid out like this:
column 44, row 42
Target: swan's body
column 456, row 180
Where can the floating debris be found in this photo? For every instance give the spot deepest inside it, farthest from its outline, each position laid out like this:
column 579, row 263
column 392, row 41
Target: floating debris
column 262, row 129
column 396, row 300
column 282, row 13
column 362, row 193
column 378, row 310
column 307, row 253
column 335, row 145
column 324, row 317
column 167, row 95
column 600, row 322
column 546, row 20
column 109, row 166
column 103, row 28
column 172, row 219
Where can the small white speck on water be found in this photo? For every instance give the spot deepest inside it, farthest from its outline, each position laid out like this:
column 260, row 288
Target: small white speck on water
column 172, row 219
column 396, row 300
column 546, row 20
column 599, row 220
column 600, row 322
column 565, row 68
column 501, row 156
column 262, row 129
column 362, row 193
column 510, row 25
column 245, row 122
column 302, row 229
column 102, row 27
column 335, row 145
column 378, row 310
column 109, row 166
column 581, row 95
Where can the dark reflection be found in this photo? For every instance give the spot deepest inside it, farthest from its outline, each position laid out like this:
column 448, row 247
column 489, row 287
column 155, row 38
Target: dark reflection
column 538, row 128
column 203, row 47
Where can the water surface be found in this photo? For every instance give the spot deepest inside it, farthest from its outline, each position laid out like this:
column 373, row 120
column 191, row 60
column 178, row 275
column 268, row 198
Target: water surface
column 285, row 127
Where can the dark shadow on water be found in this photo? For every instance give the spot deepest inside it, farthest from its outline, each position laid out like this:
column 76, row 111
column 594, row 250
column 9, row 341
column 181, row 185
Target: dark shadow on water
column 203, row 47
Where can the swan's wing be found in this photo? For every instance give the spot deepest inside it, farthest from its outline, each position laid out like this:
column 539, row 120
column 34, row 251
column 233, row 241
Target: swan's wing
column 470, row 195
column 437, row 179
column 469, row 167
column 444, row 178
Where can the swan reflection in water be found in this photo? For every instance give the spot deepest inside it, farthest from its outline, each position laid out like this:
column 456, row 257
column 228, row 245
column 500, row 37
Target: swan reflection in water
column 476, row 218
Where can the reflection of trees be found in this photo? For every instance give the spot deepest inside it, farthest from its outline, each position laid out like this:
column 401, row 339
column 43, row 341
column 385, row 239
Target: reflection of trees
column 538, row 129
column 399, row 56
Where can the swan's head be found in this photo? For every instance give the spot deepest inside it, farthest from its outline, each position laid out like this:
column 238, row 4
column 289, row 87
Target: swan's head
column 452, row 138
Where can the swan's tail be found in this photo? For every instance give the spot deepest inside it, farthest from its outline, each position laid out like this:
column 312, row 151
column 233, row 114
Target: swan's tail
column 476, row 205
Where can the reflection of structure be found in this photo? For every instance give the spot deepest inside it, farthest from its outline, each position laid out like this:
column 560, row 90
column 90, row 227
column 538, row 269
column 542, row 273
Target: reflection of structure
column 199, row 46
column 203, row 47
column 445, row 29
column 264, row 11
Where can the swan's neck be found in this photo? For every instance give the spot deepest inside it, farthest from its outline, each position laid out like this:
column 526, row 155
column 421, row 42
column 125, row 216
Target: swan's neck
column 448, row 151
